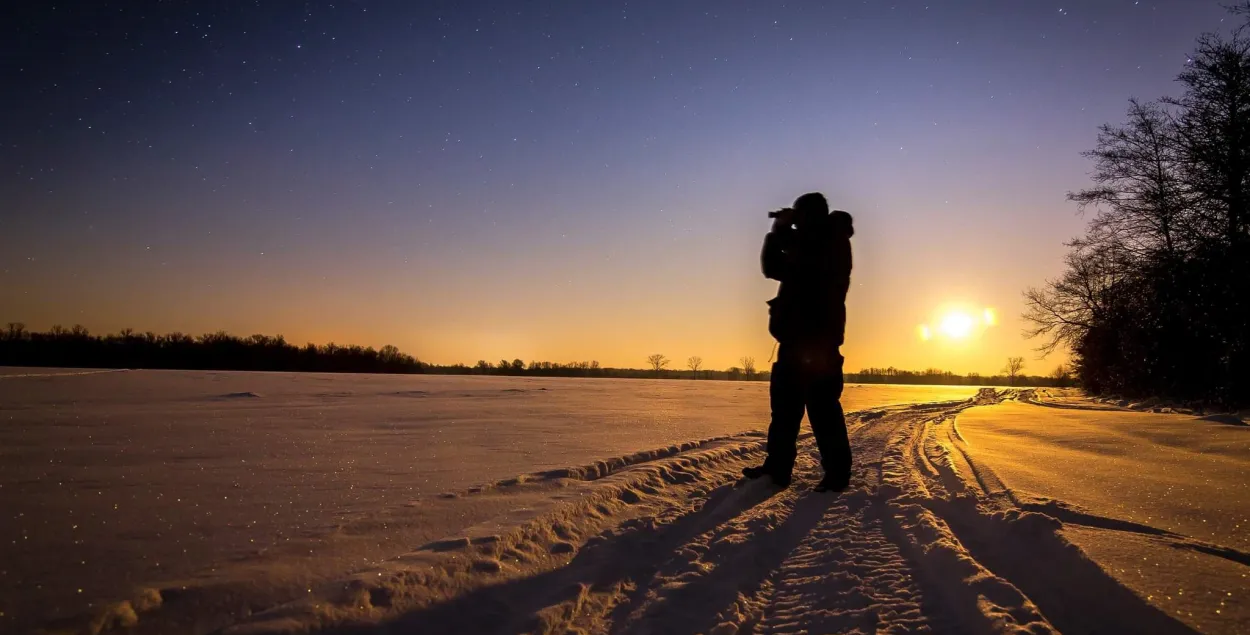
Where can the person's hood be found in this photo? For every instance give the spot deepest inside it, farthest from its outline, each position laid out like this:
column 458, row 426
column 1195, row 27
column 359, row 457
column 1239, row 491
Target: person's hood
column 841, row 223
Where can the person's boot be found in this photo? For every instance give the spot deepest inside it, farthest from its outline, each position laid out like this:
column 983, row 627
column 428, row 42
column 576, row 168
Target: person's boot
column 833, row 483
column 756, row 471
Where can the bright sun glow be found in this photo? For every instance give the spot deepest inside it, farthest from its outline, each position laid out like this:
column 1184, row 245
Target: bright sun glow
column 957, row 325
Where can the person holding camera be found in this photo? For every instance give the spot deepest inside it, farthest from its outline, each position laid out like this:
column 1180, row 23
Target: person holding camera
column 809, row 252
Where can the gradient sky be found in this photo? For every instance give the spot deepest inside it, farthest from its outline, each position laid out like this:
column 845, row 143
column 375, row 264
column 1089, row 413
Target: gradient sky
column 554, row 180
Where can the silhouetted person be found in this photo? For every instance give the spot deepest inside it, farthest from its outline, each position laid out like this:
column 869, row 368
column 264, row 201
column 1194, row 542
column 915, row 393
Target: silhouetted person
column 809, row 252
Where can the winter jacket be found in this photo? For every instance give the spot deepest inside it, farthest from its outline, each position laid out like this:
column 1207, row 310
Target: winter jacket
column 813, row 266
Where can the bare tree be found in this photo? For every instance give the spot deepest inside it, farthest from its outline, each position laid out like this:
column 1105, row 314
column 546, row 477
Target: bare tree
column 1064, row 310
column 1152, row 299
column 694, row 364
column 657, row 362
column 1062, row 375
column 1013, row 368
column 1142, row 201
column 1213, row 130
column 748, row 366
column 16, row 330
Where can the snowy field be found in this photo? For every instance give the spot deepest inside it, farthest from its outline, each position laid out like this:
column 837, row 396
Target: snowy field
column 119, row 480
column 201, row 502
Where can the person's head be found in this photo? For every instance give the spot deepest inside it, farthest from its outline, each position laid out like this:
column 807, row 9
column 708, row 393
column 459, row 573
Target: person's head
column 810, row 207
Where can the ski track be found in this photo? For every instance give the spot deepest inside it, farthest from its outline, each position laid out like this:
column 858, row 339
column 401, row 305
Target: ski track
column 925, row 540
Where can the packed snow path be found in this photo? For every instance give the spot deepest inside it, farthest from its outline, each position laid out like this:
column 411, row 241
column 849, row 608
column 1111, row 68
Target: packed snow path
column 674, row 541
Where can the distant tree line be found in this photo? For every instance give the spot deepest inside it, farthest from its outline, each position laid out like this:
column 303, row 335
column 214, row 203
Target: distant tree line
column 77, row 348
column 657, row 368
column 1011, row 375
column 1155, row 299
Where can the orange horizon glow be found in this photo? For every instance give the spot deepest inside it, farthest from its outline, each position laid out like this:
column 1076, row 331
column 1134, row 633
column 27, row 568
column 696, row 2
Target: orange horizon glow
column 958, row 337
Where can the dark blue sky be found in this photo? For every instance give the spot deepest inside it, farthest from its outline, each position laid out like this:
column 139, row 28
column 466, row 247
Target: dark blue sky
column 566, row 180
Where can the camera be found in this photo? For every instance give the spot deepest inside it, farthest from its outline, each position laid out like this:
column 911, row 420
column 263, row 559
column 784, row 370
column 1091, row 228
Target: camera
column 789, row 211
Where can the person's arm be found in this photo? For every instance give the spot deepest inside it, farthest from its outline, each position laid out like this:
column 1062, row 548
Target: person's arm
column 775, row 260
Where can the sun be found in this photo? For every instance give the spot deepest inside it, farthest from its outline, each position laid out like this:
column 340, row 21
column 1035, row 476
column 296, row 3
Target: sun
column 956, row 325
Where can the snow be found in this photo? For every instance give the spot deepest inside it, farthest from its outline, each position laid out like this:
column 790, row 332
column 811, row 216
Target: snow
column 1161, row 499
column 124, row 480
column 248, row 503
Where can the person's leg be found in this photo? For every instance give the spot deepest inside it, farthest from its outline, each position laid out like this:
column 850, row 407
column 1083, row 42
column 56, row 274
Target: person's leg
column 824, row 412
column 785, row 395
